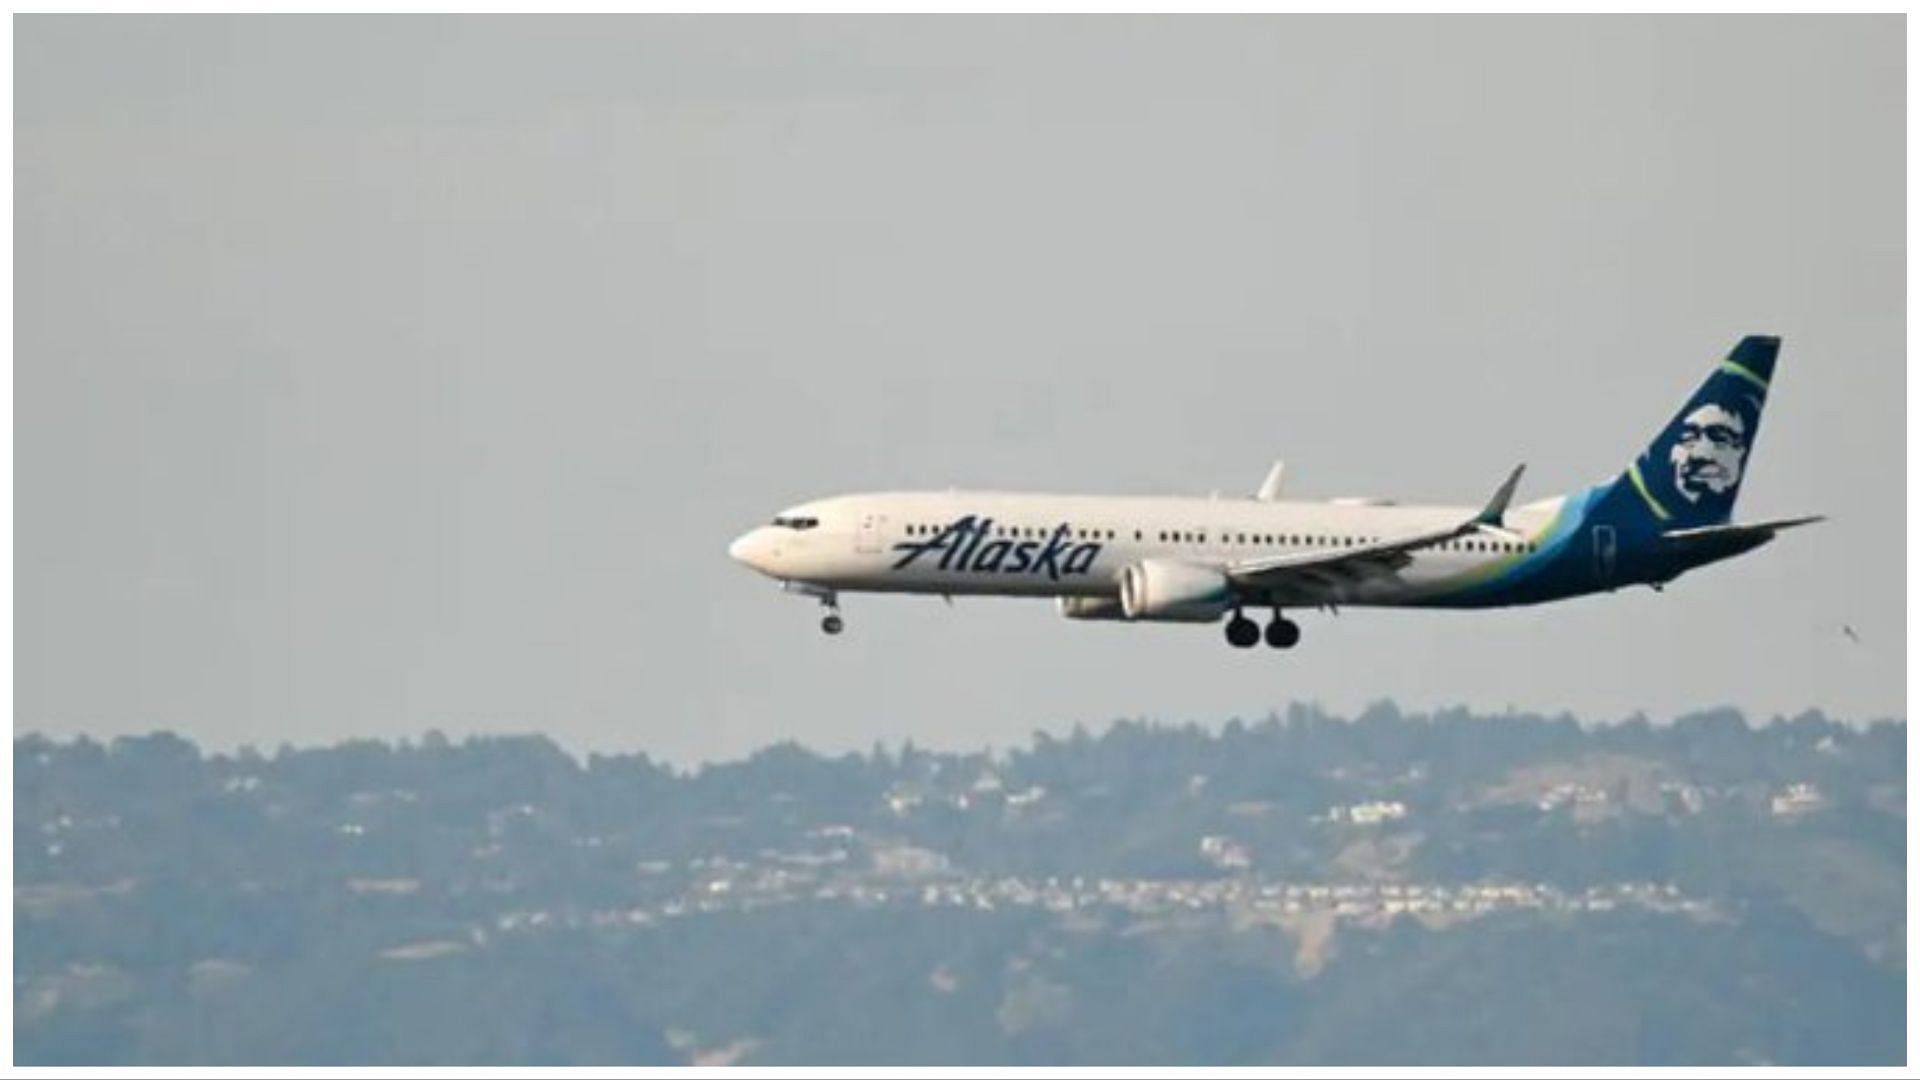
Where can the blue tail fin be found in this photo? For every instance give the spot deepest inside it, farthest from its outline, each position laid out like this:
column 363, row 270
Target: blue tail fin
column 1691, row 472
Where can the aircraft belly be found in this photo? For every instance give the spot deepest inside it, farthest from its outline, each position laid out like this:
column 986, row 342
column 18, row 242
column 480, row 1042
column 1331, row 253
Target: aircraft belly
column 931, row 579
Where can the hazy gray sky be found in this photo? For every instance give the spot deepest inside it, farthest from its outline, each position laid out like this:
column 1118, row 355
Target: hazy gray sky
column 379, row 375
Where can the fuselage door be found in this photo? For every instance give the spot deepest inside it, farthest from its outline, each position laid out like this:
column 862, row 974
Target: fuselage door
column 1605, row 549
column 867, row 540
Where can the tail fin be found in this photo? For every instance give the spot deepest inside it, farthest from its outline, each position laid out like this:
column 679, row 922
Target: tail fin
column 1690, row 474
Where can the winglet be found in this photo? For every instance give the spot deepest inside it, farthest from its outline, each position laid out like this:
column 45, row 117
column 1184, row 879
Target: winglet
column 1496, row 509
column 1270, row 487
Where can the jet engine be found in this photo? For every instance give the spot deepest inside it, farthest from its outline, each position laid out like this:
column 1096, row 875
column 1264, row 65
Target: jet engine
column 1099, row 608
column 1162, row 590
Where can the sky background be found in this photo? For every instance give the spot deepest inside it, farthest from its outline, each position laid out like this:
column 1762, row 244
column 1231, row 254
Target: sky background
column 382, row 375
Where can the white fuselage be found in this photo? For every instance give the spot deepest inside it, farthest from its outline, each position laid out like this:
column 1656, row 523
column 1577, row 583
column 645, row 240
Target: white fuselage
column 1078, row 545
column 1199, row 560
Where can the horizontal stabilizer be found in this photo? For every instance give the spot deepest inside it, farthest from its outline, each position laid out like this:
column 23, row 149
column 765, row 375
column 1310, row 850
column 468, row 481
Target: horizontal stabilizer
column 1757, row 529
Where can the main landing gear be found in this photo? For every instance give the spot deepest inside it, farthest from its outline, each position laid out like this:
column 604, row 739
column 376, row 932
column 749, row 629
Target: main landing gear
column 1244, row 633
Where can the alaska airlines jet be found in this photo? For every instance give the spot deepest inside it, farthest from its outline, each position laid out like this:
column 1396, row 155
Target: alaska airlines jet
column 1196, row 560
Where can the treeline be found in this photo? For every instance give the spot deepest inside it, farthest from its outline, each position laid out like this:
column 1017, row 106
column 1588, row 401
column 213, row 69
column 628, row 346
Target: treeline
column 461, row 901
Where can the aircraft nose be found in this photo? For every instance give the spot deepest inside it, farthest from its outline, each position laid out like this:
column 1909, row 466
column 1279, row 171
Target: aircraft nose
column 741, row 550
column 752, row 549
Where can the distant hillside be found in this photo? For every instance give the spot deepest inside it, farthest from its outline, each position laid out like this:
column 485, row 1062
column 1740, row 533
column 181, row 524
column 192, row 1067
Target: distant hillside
column 1444, row 889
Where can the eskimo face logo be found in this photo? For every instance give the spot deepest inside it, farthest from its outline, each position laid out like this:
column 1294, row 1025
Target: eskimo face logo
column 1709, row 452
column 969, row 545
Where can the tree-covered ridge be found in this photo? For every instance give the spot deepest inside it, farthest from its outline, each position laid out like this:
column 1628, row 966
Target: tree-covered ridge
column 1304, row 888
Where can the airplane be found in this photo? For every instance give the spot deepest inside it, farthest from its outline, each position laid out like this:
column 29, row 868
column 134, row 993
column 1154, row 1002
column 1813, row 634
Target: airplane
column 1197, row 560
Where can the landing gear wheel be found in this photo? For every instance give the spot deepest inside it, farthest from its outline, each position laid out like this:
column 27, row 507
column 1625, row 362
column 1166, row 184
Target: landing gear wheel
column 1242, row 632
column 832, row 624
column 1283, row 633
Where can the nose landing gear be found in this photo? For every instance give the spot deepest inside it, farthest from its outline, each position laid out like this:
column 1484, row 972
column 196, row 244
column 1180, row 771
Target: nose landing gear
column 831, row 623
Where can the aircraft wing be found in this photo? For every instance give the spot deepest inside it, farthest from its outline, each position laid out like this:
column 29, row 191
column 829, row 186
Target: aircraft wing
column 1322, row 572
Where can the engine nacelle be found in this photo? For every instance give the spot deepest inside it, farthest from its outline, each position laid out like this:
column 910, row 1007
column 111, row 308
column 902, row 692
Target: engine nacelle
column 1162, row 590
column 1092, row 607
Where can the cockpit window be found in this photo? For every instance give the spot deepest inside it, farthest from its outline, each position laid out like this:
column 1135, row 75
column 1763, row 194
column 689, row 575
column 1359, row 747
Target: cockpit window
column 796, row 522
